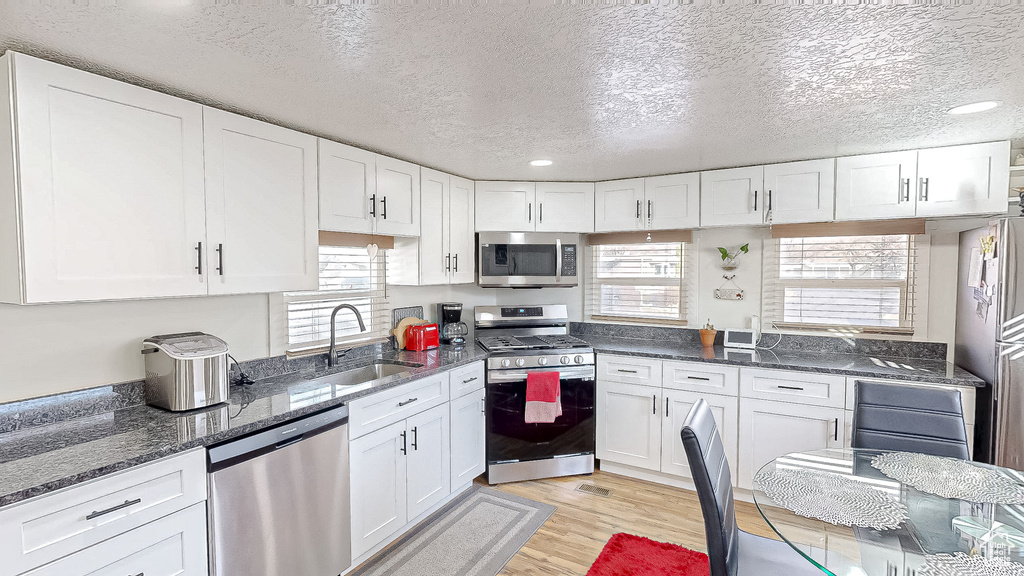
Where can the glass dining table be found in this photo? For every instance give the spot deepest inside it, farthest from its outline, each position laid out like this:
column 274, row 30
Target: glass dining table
column 854, row 512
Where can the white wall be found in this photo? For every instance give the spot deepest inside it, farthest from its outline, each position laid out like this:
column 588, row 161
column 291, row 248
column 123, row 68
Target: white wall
column 728, row 313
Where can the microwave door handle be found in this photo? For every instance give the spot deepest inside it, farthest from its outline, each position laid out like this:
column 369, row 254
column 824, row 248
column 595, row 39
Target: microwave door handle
column 558, row 260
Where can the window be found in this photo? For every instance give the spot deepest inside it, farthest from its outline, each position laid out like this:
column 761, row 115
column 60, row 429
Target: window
column 347, row 276
column 643, row 282
column 858, row 283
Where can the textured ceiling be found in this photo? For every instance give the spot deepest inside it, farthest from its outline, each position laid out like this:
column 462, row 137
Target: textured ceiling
column 604, row 92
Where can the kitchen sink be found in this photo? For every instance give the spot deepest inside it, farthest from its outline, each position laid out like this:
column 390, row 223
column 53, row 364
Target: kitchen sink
column 362, row 374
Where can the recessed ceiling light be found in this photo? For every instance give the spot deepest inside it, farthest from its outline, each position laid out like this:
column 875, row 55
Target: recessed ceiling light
column 975, row 107
column 540, row 162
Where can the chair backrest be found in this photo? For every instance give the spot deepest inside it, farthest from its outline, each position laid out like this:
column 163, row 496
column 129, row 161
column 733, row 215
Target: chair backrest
column 709, row 469
column 910, row 419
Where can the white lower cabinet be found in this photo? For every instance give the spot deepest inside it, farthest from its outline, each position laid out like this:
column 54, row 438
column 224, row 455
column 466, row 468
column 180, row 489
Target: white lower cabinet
column 769, row 429
column 677, row 405
column 428, row 473
column 174, row 545
column 378, row 462
column 628, row 425
column 469, row 429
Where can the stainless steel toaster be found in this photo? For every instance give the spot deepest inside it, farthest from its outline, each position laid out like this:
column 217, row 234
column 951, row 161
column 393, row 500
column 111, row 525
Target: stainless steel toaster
column 186, row 371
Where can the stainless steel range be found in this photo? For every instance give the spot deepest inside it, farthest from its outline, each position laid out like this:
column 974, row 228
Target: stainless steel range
column 523, row 340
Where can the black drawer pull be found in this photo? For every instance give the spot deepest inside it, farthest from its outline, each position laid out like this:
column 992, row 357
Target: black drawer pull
column 781, row 387
column 698, row 378
column 469, row 380
column 126, row 504
column 626, row 371
column 409, row 401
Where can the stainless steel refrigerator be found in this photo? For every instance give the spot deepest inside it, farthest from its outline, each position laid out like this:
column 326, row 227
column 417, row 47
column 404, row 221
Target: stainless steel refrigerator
column 990, row 336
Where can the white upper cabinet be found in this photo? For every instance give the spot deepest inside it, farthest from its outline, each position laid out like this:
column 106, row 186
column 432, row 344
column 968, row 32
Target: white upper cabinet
column 672, row 202
column 876, row 186
column 348, row 181
column 505, row 206
column 565, row 207
column 398, row 197
column 105, row 180
column 261, row 206
column 461, row 231
column 434, row 259
column 732, row 197
column 972, row 179
column 801, row 191
column 619, row 205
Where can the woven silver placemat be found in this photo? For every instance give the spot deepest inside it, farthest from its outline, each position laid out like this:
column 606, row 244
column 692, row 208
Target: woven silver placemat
column 950, row 478
column 831, row 498
column 959, row 564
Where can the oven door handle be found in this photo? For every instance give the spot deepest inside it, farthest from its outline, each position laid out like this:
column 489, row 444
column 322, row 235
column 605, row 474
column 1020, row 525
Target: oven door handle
column 504, row 377
column 558, row 260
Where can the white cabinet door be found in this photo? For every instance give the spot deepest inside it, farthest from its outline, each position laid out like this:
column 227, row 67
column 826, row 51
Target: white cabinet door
column 469, row 421
column 174, row 545
column 261, row 206
column 347, row 180
column 962, row 180
column 732, row 197
column 628, row 424
column 398, row 197
column 876, row 186
column 565, row 207
column 429, row 471
column 771, row 429
column 676, row 406
column 801, row 191
column 434, row 256
column 378, row 464
column 461, row 232
column 619, row 205
column 111, row 186
column 673, row 201
column 505, row 206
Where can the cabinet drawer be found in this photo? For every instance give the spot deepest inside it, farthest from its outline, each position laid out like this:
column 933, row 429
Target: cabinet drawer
column 701, row 377
column 43, row 529
column 383, row 408
column 796, row 387
column 466, row 379
column 629, row 369
column 171, row 546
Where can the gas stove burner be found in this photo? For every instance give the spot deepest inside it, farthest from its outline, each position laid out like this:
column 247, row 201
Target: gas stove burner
column 563, row 341
column 503, row 343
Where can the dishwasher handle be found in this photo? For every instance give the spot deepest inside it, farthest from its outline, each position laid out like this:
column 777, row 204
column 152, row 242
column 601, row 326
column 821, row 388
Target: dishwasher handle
column 279, row 437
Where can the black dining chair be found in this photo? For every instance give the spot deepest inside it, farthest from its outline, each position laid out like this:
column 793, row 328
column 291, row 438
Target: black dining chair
column 731, row 551
column 909, row 419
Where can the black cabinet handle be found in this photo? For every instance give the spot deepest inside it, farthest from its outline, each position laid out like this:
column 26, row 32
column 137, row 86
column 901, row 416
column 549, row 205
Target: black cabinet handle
column 836, row 435
column 698, row 378
column 540, row 210
column 373, row 205
column 639, row 204
column 469, row 380
column 769, row 200
column 403, row 448
column 384, row 207
column 529, row 213
column 220, row 259
column 906, row 189
column 415, row 438
column 126, row 504
column 456, row 262
column 781, row 387
column 626, row 371
column 924, row 189
column 654, row 404
column 755, row 200
column 448, row 262
column 409, row 401
column 650, row 208
column 666, row 407
column 199, row 258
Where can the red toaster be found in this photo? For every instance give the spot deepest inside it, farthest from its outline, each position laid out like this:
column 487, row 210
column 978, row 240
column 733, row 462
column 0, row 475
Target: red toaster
column 422, row 337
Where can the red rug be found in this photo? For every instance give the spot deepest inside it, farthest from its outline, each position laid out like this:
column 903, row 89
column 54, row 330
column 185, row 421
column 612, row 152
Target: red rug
column 628, row 555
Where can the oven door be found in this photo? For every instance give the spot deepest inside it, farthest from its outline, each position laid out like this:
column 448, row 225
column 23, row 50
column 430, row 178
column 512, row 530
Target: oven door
column 527, row 260
column 511, row 439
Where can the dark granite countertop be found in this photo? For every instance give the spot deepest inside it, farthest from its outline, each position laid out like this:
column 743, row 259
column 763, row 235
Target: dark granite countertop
column 866, row 365
column 42, row 459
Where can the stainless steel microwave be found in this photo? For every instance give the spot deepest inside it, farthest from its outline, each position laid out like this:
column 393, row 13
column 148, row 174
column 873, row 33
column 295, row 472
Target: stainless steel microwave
column 528, row 259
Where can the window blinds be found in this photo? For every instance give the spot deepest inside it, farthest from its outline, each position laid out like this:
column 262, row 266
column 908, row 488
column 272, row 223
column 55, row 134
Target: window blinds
column 856, row 283
column 638, row 281
column 347, row 276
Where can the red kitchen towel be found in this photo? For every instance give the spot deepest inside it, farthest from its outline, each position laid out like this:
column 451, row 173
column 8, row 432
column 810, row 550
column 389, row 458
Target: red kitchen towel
column 543, row 397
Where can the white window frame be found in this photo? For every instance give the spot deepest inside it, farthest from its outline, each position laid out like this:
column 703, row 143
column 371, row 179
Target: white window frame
column 686, row 284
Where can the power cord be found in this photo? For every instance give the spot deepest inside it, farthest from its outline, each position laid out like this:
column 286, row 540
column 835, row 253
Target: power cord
column 243, row 378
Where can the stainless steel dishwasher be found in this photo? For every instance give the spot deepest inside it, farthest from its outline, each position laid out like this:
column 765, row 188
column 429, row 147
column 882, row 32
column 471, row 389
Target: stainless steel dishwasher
column 279, row 500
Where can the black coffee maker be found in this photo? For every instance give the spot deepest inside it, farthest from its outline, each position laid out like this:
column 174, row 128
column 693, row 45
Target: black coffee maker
column 453, row 329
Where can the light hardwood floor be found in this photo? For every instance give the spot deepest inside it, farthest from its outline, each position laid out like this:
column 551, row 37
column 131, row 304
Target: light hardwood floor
column 572, row 538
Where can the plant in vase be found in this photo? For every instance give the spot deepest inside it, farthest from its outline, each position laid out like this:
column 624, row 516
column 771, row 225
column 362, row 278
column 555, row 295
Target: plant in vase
column 707, row 335
column 729, row 258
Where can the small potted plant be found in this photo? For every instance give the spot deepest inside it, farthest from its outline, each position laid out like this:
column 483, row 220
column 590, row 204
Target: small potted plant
column 729, row 258
column 707, row 335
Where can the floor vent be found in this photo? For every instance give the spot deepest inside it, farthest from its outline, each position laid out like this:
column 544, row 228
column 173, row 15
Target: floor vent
column 591, row 489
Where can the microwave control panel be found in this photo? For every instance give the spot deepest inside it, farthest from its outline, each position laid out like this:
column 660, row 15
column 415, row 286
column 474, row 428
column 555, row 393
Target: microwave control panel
column 568, row 260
